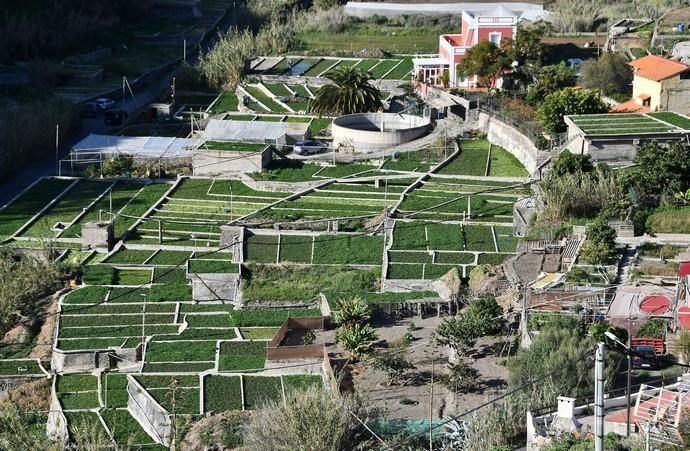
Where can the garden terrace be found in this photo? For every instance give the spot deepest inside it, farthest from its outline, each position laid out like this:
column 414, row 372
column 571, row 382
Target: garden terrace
column 495, row 207
column 193, row 213
column 20, row 367
column 186, row 390
column 77, row 391
column 227, row 101
column 334, row 201
column 241, row 355
column 630, row 124
column 285, row 170
column 28, row 204
column 326, row 249
column 67, row 209
column 126, row 430
column 478, row 157
column 233, row 146
column 265, row 100
column 301, row 284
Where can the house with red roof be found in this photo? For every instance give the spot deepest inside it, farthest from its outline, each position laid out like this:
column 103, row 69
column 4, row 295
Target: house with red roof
column 659, row 84
column 493, row 25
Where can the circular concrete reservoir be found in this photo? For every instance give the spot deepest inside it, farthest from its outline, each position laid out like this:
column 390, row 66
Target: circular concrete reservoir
column 367, row 132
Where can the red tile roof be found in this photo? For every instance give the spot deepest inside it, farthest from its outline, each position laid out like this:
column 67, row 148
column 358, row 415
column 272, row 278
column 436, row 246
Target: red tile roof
column 684, row 269
column 657, row 68
column 631, row 106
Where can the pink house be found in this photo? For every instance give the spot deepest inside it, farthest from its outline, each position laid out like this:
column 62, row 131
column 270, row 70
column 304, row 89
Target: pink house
column 493, row 25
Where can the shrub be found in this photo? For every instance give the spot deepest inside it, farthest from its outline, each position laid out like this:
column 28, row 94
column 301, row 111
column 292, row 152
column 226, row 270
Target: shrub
column 655, row 328
column 351, row 311
column 568, row 101
column 357, row 339
column 462, row 378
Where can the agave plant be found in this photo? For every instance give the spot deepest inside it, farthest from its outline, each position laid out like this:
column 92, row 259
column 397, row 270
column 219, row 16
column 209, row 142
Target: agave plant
column 349, row 93
column 357, row 339
column 351, row 311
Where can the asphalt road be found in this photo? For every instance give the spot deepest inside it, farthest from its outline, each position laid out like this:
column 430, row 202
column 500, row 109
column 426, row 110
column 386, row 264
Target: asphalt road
column 47, row 166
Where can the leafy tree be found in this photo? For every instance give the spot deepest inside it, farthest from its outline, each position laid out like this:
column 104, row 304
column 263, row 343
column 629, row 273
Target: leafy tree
column 610, row 74
column 661, row 169
column 568, row 101
column 598, row 333
column 351, row 311
column 549, row 79
column 313, row 418
column 569, row 163
column 485, row 314
column 527, row 46
column 485, row 60
column 654, row 328
column 462, row 378
column 350, row 92
column 600, row 248
column 458, row 333
column 357, row 339
column 395, row 364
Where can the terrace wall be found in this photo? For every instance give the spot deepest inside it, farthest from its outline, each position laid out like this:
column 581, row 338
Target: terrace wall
column 211, row 163
column 152, row 417
column 281, row 187
column 80, row 361
column 274, row 351
column 512, row 140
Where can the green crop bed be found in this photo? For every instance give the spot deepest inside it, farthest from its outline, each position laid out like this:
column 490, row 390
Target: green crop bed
column 504, row 164
column 259, row 95
column 444, row 237
column 449, row 206
column 96, row 343
column 16, row 214
column 455, row 258
column 478, row 238
column 301, row 90
column 258, row 333
column 272, row 317
column 114, row 320
column 108, row 309
column 402, row 71
column 115, row 331
column 127, row 431
column 367, row 64
column 471, row 160
column 115, row 390
column 296, row 248
column 121, row 195
column 405, row 271
column 227, row 146
column 77, row 383
column 129, row 256
column 321, row 66
column 279, row 68
column 278, row 89
column 241, row 355
column 436, row 271
column 217, row 320
column 177, row 367
column 269, row 118
column 200, row 266
column 409, row 236
column 261, row 389
column 139, row 205
column 382, row 67
column 19, row 367
column 672, row 118
column 222, row 393
column 348, row 249
column 395, row 297
column 186, row 399
column 409, row 257
column 86, row 295
column 262, row 248
column 170, row 258
column 302, row 382
column 492, row 259
column 287, row 171
column 626, row 124
column 192, row 351
column 302, row 283
column 67, row 208
column 344, row 170
column 73, row 401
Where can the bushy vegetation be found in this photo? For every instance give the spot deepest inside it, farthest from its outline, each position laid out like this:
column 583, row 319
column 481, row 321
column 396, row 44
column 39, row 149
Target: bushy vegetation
column 566, row 102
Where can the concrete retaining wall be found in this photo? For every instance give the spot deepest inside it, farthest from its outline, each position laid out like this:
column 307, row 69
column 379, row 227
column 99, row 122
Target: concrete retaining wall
column 512, row 140
column 280, row 187
column 152, row 417
column 56, row 427
column 218, row 162
column 81, row 361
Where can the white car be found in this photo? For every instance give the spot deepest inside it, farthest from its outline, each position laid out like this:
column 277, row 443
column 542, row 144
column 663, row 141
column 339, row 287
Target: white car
column 309, row 147
column 104, row 103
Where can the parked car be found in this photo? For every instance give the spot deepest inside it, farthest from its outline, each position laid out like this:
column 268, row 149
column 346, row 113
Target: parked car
column 90, row 109
column 309, row 147
column 117, row 117
column 645, row 357
column 104, row 103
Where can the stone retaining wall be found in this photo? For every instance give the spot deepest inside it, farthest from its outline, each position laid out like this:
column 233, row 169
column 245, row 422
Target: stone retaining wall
column 512, row 140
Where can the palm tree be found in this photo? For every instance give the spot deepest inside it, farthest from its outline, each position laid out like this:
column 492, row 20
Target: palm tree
column 351, row 311
column 358, row 340
column 350, row 93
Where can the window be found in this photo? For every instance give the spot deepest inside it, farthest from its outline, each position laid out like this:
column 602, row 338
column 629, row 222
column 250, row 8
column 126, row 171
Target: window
column 495, row 38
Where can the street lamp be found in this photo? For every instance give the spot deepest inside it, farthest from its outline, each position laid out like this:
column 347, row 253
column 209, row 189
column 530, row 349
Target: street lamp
column 628, row 352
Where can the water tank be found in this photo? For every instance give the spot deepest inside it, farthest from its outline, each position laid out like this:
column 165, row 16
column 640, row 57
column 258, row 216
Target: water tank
column 681, row 27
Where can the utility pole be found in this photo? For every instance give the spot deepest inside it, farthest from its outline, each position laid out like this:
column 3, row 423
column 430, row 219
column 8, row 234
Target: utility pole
column 431, row 404
column 143, row 320
column 57, row 149
column 184, row 50
column 172, row 91
column 629, row 383
column 599, row 398
column 124, row 80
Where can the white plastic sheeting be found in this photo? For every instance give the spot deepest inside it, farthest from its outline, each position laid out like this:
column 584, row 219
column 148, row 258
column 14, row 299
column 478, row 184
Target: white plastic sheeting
column 252, row 131
column 142, row 146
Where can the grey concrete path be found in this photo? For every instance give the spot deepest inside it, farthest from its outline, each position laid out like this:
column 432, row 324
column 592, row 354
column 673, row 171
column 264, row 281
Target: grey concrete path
column 659, row 238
